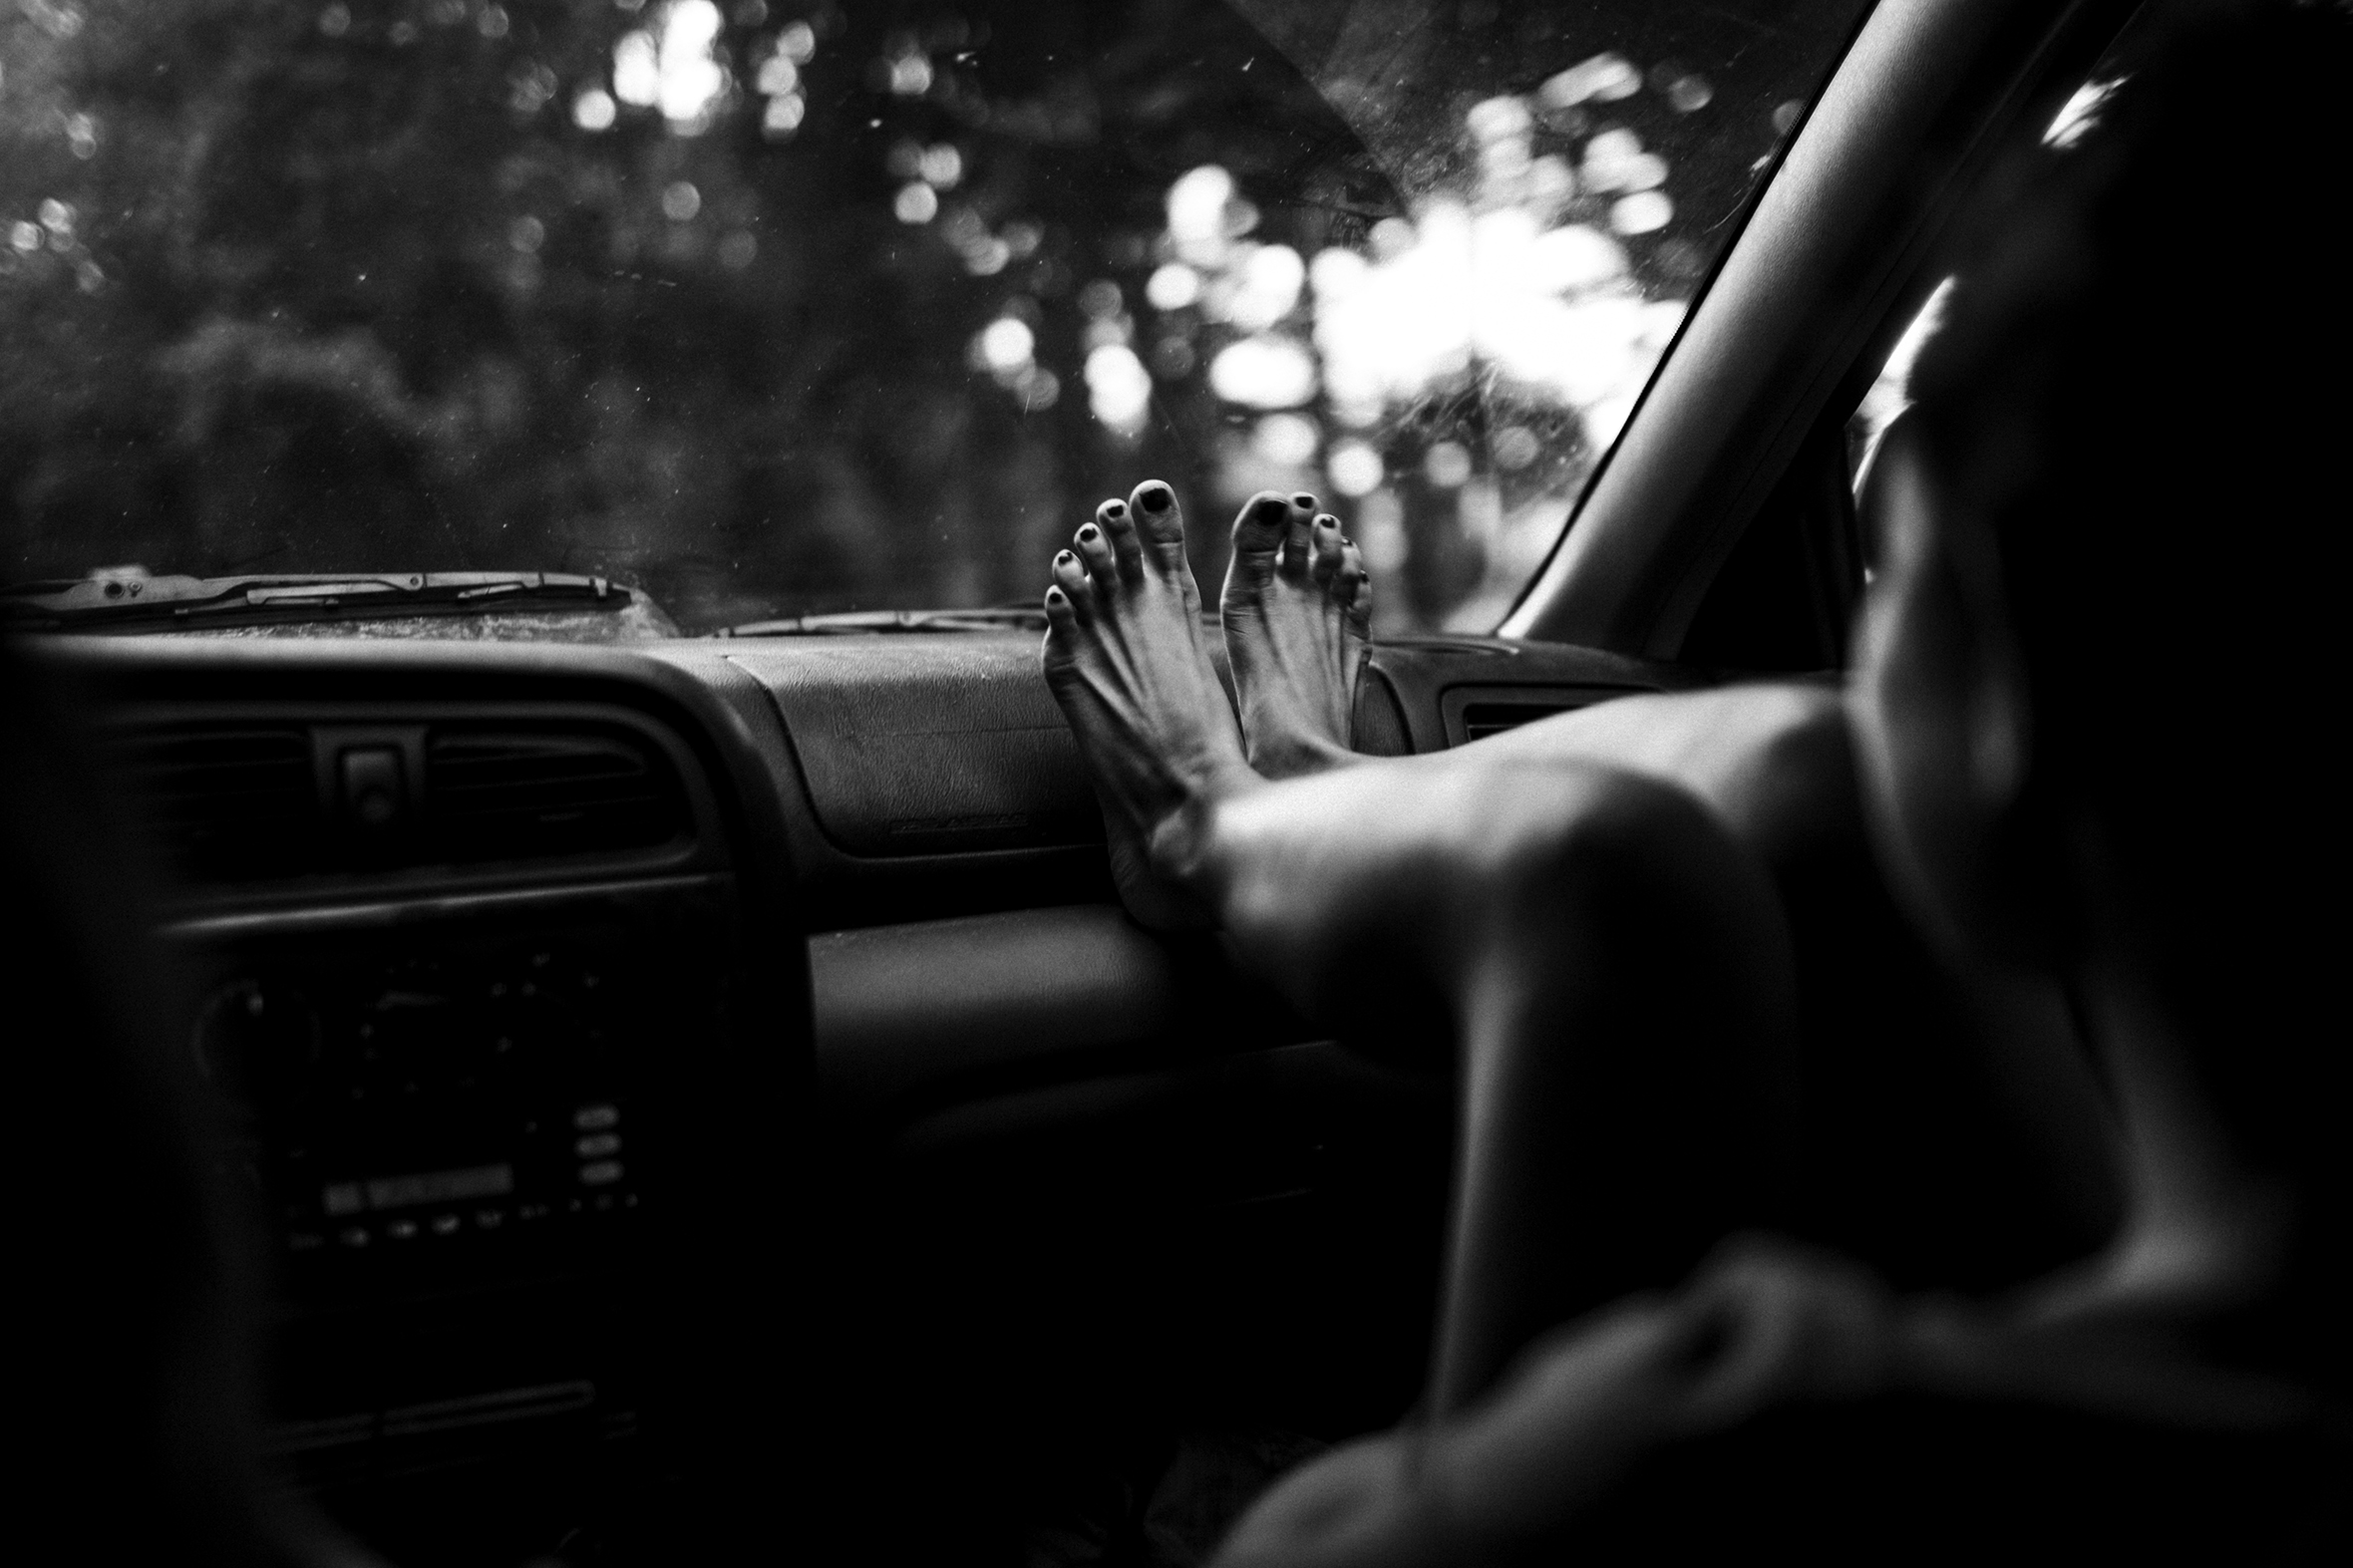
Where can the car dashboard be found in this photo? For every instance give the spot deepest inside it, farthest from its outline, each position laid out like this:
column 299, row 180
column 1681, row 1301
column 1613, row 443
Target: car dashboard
column 639, row 1058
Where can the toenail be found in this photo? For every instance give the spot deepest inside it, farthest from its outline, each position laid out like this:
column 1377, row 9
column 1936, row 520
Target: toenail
column 1156, row 497
column 1304, row 501
column 1270, row 509
column 1063, row 557
column 1114, row 509
column 1327, row 520
column 1088, row 533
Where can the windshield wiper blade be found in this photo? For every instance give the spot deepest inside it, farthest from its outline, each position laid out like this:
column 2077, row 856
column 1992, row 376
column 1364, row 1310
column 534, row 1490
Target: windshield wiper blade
column 115, row 599
column 855, row 623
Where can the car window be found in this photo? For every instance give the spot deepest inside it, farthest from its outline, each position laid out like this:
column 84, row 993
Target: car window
column 773, row 309
column 2078, row 117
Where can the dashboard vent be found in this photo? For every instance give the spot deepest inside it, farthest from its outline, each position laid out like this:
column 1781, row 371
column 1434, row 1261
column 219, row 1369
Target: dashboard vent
column 1480, row 720
column 516, row 793
column 223, row 804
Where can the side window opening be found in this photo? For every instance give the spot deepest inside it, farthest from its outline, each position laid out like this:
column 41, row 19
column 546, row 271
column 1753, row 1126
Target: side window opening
column 1889, row 393
column 1785, row 598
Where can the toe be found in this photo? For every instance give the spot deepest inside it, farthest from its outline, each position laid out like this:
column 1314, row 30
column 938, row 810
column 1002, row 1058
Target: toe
column 1159, row 520
column 1095, row 548
column 1070, row 576
column 1329, row 552
column 1258, row 530
column 1118, row 523
column 1354, row 588
column 1298, row 537
column 1062, row 622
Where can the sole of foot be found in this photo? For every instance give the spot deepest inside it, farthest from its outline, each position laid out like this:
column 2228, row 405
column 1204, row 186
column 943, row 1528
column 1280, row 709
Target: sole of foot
column 1297, row 611
column 1129, row 664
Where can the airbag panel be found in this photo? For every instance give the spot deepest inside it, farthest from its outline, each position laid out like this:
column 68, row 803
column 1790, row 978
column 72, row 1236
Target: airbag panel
column 920, row 747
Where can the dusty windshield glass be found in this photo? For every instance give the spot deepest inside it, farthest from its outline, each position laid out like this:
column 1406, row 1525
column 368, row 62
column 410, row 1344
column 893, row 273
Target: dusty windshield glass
column 772, row 308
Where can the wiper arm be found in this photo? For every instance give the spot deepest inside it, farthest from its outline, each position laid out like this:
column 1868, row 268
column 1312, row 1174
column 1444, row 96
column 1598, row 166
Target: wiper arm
column 115, row 600
column 855, row 623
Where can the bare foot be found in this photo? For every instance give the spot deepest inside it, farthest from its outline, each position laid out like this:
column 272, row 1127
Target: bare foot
column 1126, row 662
column 1297, row 608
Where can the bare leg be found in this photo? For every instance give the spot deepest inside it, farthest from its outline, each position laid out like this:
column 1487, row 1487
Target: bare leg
column 1612, row 963
column 1297, row 612
column 1617, row 972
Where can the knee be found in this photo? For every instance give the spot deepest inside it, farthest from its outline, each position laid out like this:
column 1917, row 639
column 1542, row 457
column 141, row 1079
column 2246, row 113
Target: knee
column 1630, row 881
column 1600, row 843
column 1356, row 1507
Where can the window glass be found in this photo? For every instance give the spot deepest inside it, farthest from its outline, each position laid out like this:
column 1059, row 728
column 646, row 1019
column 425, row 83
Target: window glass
column 773, row 309
column 1889, row 393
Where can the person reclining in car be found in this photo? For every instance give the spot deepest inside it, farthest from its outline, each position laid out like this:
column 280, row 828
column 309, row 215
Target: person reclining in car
column 2070, row 763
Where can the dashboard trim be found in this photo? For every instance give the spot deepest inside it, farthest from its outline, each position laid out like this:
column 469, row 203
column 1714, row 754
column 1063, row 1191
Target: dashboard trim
column 378, row 914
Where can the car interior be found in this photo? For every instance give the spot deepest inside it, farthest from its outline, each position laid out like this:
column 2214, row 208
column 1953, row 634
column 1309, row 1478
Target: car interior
column 713, row 1078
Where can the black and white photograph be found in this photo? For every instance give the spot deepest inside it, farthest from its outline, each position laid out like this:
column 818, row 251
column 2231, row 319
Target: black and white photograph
column 1175, row 784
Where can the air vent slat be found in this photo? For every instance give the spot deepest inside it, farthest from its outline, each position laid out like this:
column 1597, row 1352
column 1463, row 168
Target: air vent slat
column 516, row 793
column 230, row 802
column 222, row 803
column 1480, row 720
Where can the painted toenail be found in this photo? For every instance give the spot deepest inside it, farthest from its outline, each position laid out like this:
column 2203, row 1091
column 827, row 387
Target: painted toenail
column 1063, row 557
column 1115, row 508
column 1156, row 497
column 1304, row 501
column 1088, row 533
column 1271, row 510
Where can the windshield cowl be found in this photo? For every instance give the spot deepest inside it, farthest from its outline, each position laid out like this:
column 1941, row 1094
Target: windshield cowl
column 138, row 601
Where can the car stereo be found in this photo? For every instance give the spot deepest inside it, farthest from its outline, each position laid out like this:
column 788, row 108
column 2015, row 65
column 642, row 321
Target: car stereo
column 454, row 1098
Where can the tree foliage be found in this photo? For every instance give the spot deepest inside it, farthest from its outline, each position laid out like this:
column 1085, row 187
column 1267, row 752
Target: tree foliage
column 343, row 286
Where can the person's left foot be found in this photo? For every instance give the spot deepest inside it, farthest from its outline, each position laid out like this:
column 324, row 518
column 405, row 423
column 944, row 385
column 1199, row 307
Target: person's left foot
column 1127, row 663
column 1297, row 608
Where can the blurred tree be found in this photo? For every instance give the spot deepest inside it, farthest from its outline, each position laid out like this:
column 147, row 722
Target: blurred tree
column 684, row 297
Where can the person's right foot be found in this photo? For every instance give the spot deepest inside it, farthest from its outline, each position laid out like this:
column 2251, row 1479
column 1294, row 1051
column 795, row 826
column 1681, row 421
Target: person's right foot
column 1127, row 663
column 1297, row 611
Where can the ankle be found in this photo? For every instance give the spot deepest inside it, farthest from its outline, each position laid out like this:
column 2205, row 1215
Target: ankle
column 1292, row 755
column 1183, row 846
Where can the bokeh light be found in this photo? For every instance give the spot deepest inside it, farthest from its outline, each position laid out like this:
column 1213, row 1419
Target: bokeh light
column 1447, row 465
column 1265, row 372
column 1006, row 343
column 1119, row 388
column 1289, row 440
column 917, row 203
column 594, row 109
column 1173, row 286
column 637, row 70
column 691, row 80
column 1356, row 469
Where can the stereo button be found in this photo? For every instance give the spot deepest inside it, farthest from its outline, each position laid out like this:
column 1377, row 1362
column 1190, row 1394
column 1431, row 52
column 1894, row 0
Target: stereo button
column 597, row 1145
column 600, row 1173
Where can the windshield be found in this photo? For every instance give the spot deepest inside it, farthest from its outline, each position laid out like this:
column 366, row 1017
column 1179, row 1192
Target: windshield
column 771, row 309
